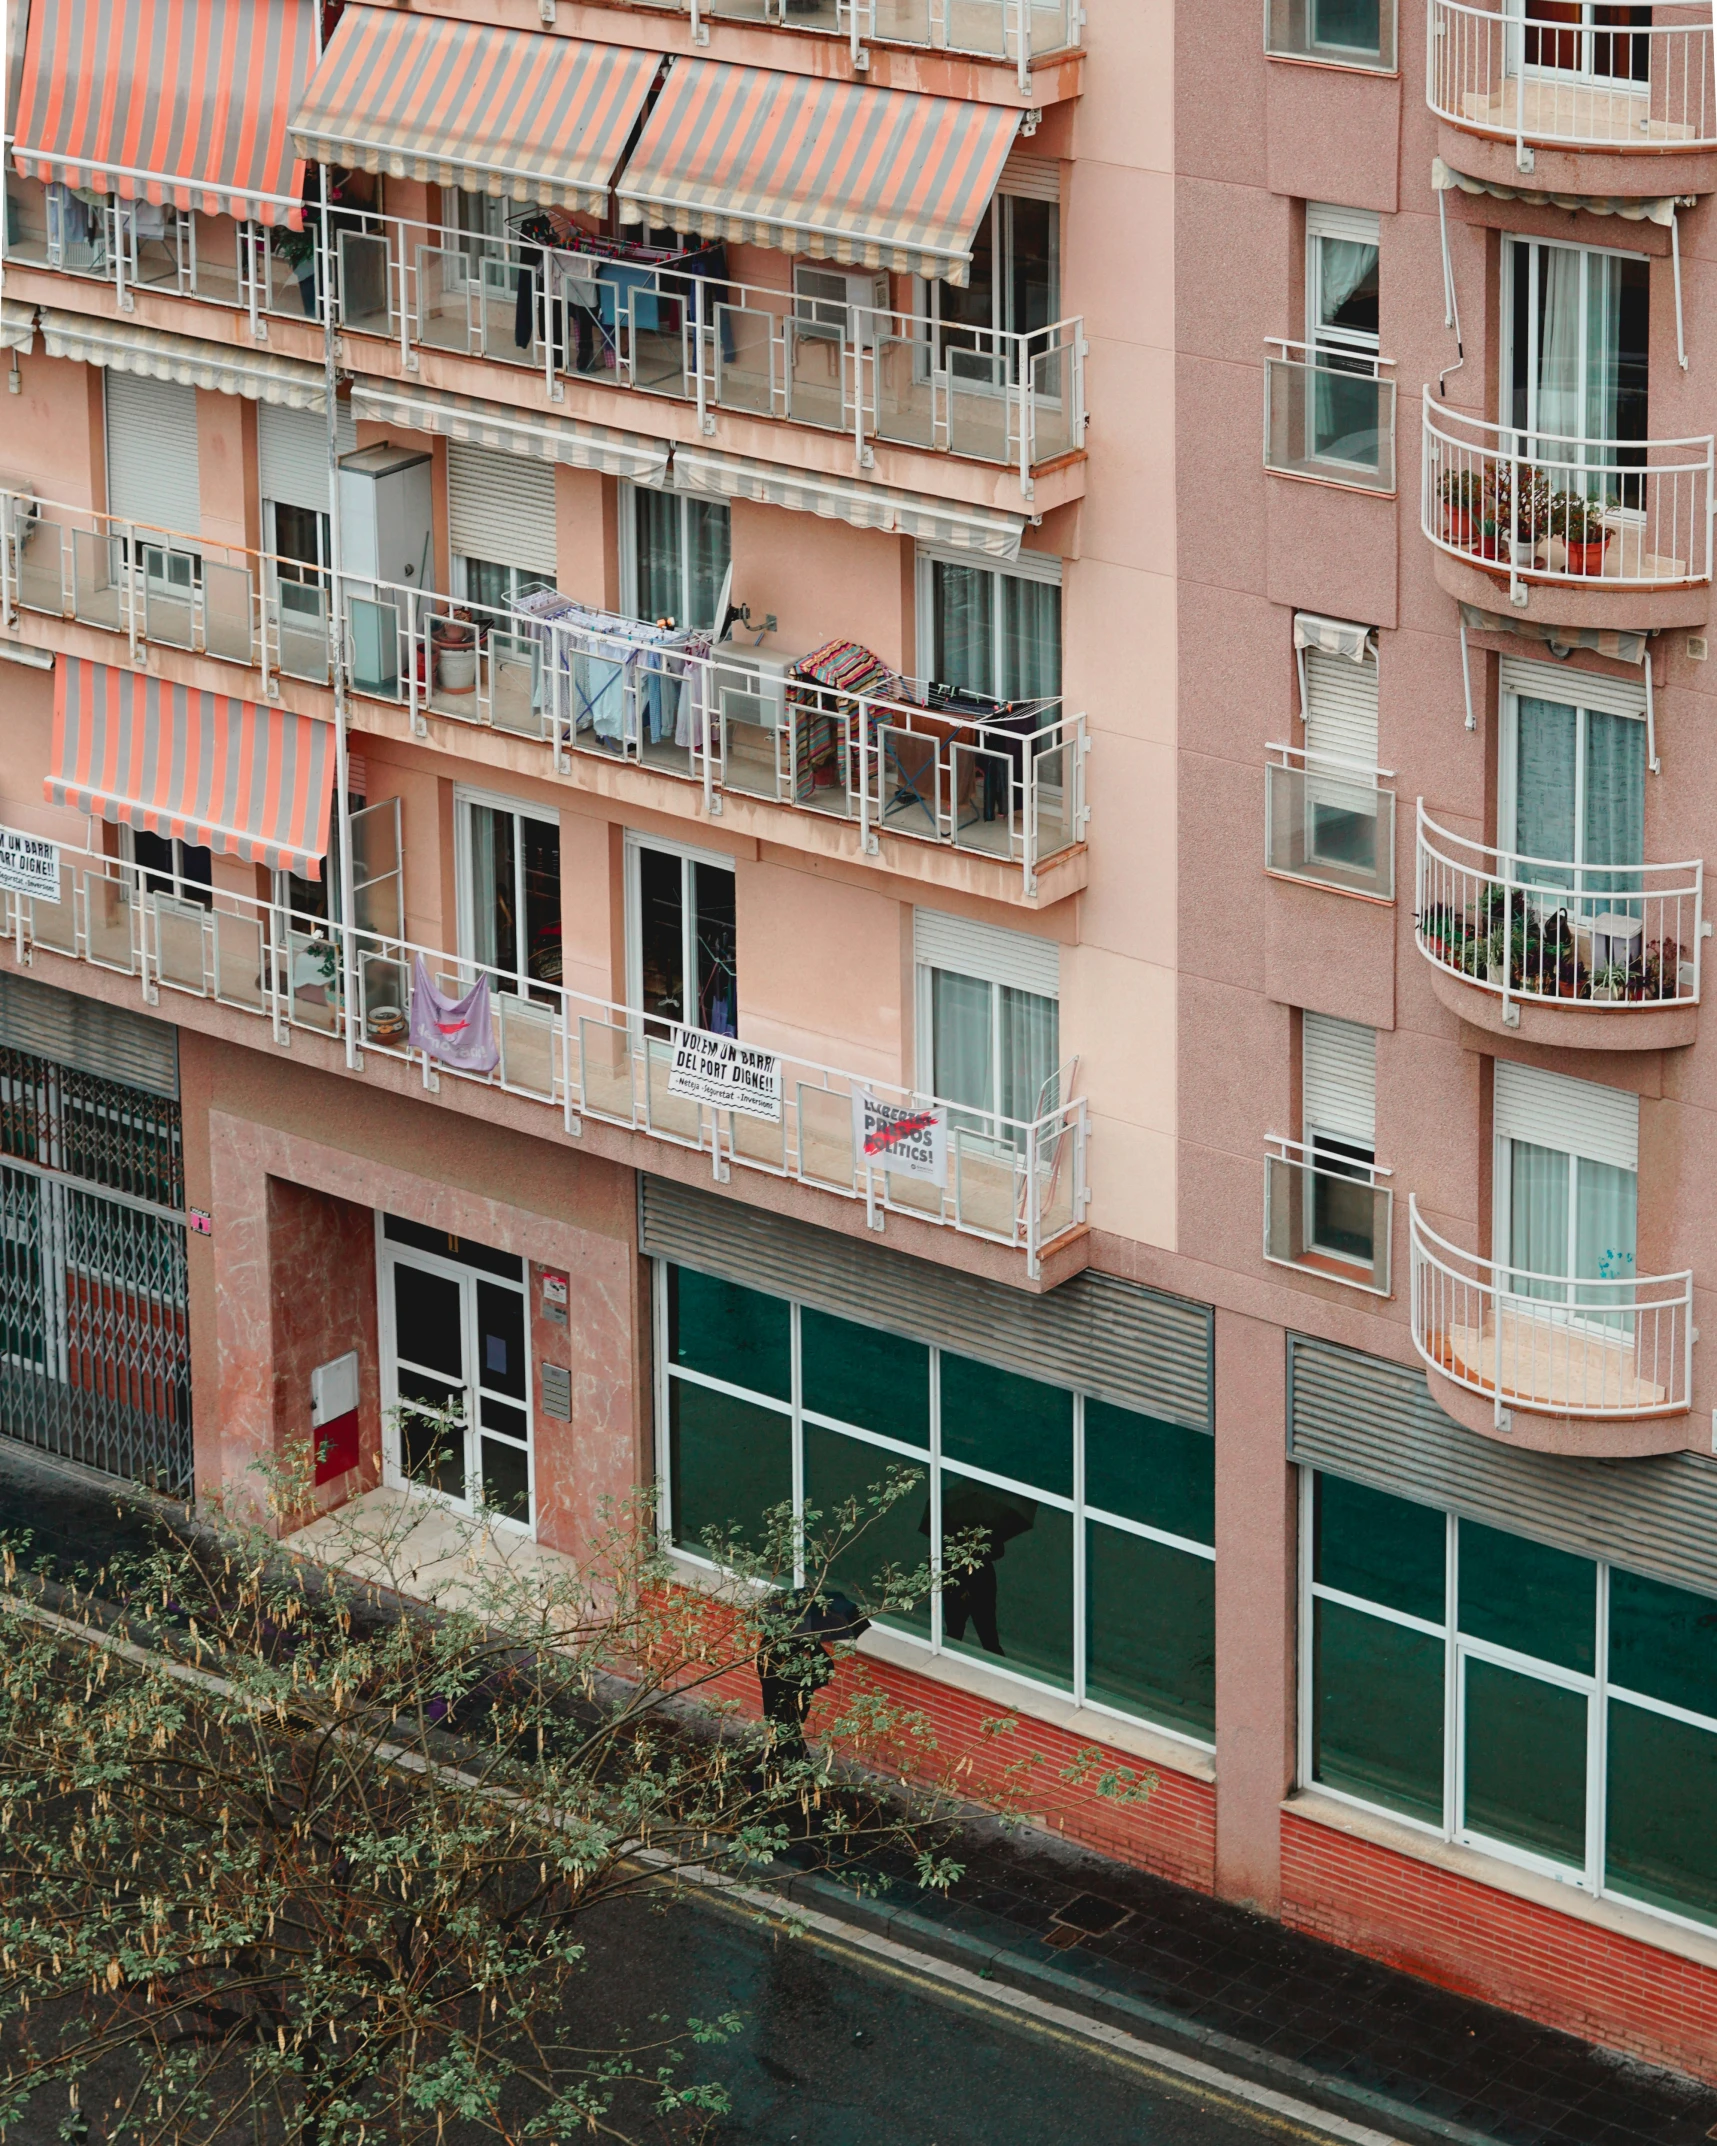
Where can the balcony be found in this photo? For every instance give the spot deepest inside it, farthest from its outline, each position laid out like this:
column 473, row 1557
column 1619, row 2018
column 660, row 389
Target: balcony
column 1329, row 416
column 1622, row 100
column 1329, row 823
column 733, row 728
column 805, row 352
column 1594, row 957
column 1550, row 1362
column 1603, row 533
column 1013, row 31
column 1345, row 34
column 569, row 1057
column 1327, row 1214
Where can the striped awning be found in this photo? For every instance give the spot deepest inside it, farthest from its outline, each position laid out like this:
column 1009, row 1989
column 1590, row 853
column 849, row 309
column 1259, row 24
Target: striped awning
column 1632, row 208
column 254, row 782
column 844, row 499
column 878, row 178
column 510, row 431
column 542, row 119
column 17, row 325
column 181, row 101
column 233, row 368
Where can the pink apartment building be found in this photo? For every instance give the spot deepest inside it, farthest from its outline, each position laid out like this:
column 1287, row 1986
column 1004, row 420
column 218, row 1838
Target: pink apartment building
column 765, row 736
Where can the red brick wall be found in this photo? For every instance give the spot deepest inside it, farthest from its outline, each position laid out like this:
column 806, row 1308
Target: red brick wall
column 1452, row 1930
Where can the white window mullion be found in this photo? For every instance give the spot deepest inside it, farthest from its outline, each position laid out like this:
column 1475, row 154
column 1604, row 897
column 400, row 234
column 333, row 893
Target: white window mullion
column 1454, row 1709
column 1079, row 1535
column 936, row 1500
column 1597, row 1739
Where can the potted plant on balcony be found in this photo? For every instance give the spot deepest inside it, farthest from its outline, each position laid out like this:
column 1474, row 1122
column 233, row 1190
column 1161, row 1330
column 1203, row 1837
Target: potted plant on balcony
column 1531, row 495
column 1574, row 543
column 1611, row 984
column 1661, row 970
column 1463, row 495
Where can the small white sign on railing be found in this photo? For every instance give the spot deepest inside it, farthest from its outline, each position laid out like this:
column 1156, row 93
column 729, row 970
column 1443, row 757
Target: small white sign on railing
column 29, row 865
column 911, row 1143
column 726, row 1073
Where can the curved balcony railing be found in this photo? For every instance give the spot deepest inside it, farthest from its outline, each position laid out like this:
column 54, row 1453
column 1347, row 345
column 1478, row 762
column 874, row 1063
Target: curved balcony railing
column 1602, row 1350
column 1588, row 514
column 1606, row 938
column 1556, row 76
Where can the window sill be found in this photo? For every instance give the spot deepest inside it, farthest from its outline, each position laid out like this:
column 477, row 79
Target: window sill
column 1615, row 1916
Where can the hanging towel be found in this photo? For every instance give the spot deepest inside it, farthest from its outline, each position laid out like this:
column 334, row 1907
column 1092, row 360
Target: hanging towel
column 458, row 1032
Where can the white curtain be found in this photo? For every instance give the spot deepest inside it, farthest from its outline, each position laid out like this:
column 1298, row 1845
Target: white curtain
column 1605, row 1230
column 1343, row 265
column 494, row 934
column 1545, row 772
column 1545, row 1186
column 1615, row 798
column 1603, row 344
column 1562, row 400
column 963, row 1063
column 1031, row 639
column 963, row 609
column 1029, row 1037
column 994, row 1049
column 1537, row 1216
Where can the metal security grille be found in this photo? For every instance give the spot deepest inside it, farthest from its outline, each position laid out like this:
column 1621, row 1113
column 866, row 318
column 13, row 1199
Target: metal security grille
column 95, row 1361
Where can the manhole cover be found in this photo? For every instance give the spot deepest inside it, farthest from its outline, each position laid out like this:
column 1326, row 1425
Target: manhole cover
column 1091, row 1916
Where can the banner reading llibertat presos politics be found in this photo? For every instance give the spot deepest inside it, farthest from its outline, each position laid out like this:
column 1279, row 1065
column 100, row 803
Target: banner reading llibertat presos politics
column 910, row 1142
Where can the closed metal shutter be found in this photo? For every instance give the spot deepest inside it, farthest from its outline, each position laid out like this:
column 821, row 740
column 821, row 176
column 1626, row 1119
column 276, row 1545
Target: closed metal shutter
column 292, row 454
column 986, row 951
column 1376, row 1423
column 1327, row 219
column 1107, row 1337
column 501, row 507
column 1574, row 1116
column 1572, row 689
column 1031, row 178
column 88, row 1034
column 1340, row 1079
column 1341, row 707
column 152, row 452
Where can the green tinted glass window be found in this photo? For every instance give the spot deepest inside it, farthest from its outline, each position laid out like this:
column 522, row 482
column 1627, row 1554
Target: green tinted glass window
column 1144, row 1469
column 1663, row 1642
column 1150, row 1626
column 1377, row 1710
column 861, row 1375
column 1010, row 1425
column 1380, row 1548
column 731, row 1333
column 1529, row 1597
column 1015, row 1603
column 729, row 1463
column 1526, row 1762
column 884, row 1545
column 1660, row 1844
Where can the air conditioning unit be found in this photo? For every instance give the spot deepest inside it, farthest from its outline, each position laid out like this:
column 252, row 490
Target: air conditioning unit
column 751, row 684
column 839, row 304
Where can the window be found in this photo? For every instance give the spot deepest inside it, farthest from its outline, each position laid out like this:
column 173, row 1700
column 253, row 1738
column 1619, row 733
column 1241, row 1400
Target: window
column 1339, row 1108
column 509, row 869
column 1575, row 333
column 674, row 556
column 988, row 1023
column 987, row 631
column 1014, row 283
column 1553, row 1711
column 1572, row 787
column 1093, row 1524
column 183, row 871
column 501, row 522
column 1342, row 33
column 1340, row 707
column 1342, row 249
column 1566, row 1189
column 681, row 928
column 1590, row 38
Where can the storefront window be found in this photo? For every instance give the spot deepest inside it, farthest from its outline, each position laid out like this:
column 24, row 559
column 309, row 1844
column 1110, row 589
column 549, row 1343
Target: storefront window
column 1108, row 1596
column 1458, row 1675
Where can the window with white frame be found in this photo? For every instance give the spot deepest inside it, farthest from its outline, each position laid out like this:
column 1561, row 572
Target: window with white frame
column 1012, row 286
column 1339, row 704
column 1338, row 1094
column 508, row 860
column 1575, row 338
column 989, row 630
column 989, row 1029
column 1565, row 1210
column 1342, row 290
column 1553, row 1711
column 675, row 551
column 1571, row 787
column 682, row 938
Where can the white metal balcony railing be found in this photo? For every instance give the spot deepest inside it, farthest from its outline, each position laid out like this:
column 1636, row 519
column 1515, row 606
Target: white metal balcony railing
column 1335, row 33
column 1012, row 788
column 1329, row 414
column 1593, row 514
column 1330, row 822
column 1016, row 31
column 1605, row 938
column 1012, row 397
column 1599, row 1350
column 1016, row 1183
column 1328, row 1214
column 1578, row 76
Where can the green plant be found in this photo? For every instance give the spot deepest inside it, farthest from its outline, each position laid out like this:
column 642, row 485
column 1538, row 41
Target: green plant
column 1575, row 518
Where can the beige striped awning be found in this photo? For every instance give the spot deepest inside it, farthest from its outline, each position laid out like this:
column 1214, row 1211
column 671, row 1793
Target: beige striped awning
column 518, row 432
column 878, row 178
column 17, row 325
column 542, row 119
column 843, row 499
column 233, row 368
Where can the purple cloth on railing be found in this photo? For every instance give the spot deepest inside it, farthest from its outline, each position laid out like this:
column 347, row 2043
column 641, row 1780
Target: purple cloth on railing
column 458, row 1032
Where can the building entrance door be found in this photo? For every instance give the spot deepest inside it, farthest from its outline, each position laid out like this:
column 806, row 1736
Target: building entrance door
column 455, row 1370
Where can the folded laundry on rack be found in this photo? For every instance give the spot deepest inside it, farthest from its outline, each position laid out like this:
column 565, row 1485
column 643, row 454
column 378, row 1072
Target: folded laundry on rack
column 849, row 667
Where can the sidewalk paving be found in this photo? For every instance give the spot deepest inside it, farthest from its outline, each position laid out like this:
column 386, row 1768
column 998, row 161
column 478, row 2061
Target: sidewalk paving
column 1166, row 1964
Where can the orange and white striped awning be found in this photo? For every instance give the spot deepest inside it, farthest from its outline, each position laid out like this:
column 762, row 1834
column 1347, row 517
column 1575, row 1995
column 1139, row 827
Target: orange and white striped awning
column 180, row 101
column 257, row 783
column 878, row 178
column 542, row 119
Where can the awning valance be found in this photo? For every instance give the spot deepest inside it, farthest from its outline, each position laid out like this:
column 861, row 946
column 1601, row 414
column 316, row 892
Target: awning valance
column 233, row 368
column 1560, row 640
column 542, row 119
column 181, row 101
column 254, row 782
column 1633, row 208
column 488, row 424
column 17, row 325
column 1332, row 636
column 844, row 499
column 878, row 178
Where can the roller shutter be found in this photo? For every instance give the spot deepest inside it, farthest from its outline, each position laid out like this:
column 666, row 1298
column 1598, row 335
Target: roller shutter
column 967, row 948
column 88, row 1034
column 1339, row 1095
column 501, row 507
column 1573, row 689
column 292, row 454
column 1576, row 1117
column 1341, row 707
column 152, row 452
